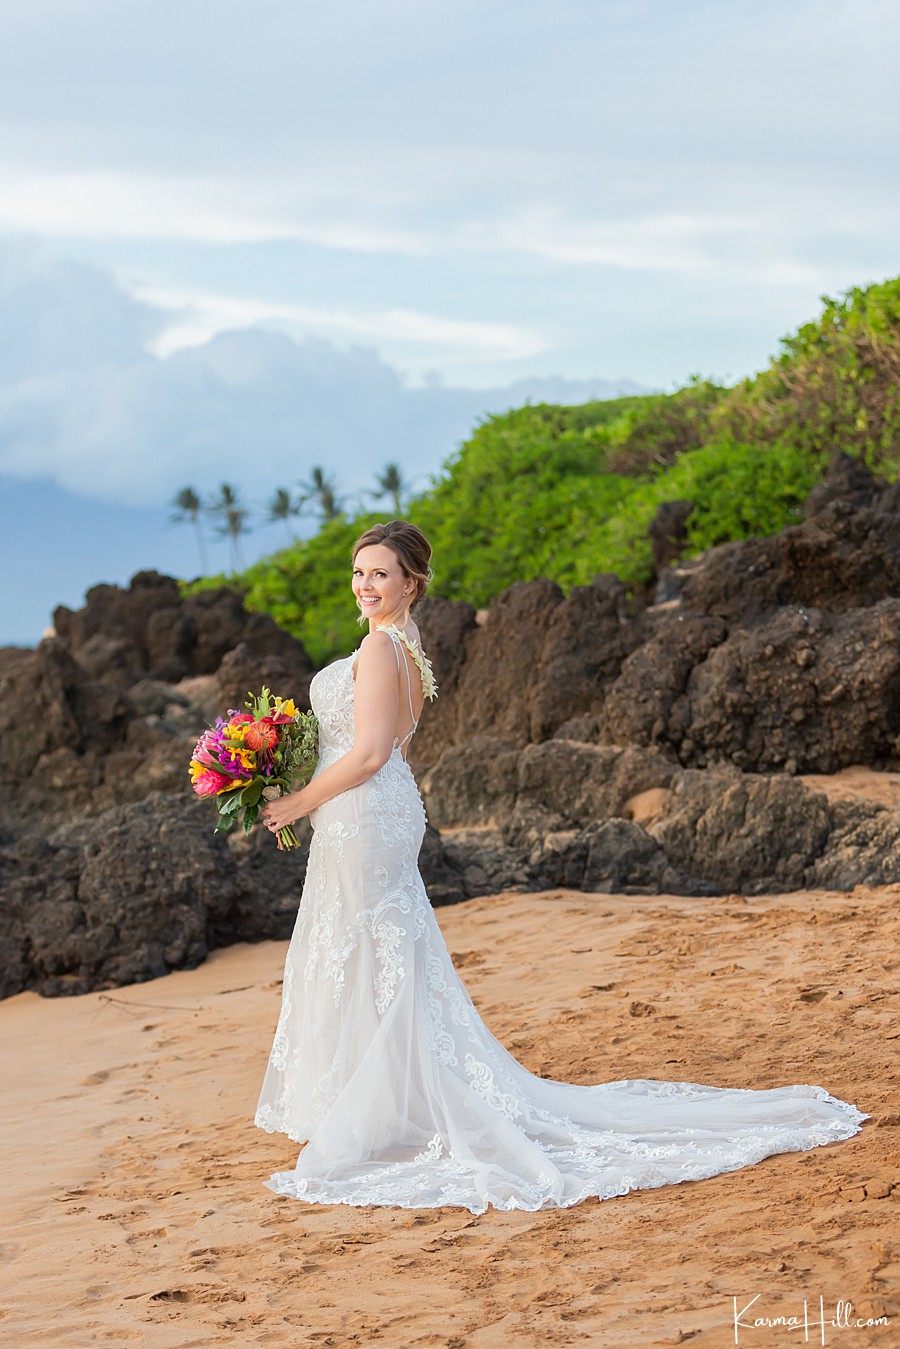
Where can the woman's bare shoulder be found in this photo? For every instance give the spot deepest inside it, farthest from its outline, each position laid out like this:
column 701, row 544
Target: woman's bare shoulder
column 374, row 656
column 376, row 641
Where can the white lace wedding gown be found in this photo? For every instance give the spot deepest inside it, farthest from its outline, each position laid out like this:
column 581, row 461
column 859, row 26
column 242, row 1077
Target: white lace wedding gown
column 382, row 1062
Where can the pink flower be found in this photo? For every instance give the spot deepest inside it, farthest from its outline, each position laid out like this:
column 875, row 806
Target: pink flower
column 204, row 756
column 210, row 783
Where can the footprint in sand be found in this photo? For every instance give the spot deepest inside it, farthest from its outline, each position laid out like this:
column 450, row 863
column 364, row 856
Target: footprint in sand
column 201, row 1293
column 206, row 1258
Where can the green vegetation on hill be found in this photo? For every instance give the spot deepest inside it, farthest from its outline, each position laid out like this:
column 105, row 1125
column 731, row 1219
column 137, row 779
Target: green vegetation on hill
column 835, row 385
column 567, row 492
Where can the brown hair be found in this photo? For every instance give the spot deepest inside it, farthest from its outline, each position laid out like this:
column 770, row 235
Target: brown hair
column 413, row 553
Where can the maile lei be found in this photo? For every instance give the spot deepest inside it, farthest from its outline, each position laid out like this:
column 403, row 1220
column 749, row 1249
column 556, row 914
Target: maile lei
column 419, row 657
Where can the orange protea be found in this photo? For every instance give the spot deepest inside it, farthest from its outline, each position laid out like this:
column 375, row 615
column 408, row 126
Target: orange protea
column 261, row 735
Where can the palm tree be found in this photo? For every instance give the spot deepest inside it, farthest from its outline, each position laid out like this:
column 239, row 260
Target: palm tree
column 321, row 489
column 329, row 503
column 233, row 520
column 186, row 505
column 282, row 507
column 390, row 482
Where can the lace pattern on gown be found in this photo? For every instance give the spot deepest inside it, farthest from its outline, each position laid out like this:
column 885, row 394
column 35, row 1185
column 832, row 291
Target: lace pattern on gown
column 382, row 1066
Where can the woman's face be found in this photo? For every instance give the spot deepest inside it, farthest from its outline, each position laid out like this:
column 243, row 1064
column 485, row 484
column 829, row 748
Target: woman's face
column 379, row 584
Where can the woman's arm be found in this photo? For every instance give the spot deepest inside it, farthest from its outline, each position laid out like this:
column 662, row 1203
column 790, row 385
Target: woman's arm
column 376, row 704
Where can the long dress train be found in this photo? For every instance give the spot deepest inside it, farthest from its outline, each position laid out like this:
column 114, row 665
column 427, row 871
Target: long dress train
column 382, row 1065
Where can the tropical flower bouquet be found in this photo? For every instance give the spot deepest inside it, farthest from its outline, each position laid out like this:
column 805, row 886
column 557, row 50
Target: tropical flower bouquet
column 256, row 755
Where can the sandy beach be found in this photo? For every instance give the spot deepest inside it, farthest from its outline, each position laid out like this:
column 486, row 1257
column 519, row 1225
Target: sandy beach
column 136, row 1214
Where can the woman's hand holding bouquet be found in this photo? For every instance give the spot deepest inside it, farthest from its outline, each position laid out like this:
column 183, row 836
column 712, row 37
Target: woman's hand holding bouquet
column 258, row 755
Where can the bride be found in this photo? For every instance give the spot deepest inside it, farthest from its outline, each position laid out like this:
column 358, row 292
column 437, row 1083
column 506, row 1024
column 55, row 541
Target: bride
column 381, row 1063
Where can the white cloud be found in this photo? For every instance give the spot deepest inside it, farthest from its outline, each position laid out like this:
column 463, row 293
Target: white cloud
column 198, row 316
column 484, row 190
column 66, row 316
column 85, row 405
column 669, row 242
column 123, row 205
column 764, row 227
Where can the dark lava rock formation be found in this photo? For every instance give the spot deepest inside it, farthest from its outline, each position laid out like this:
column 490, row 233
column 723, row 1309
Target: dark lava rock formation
column 777, row 654
column 764, row 659
column 115, row 701
column 131, row 894
column 604, row 818
column 110, row 869
column 590, row 740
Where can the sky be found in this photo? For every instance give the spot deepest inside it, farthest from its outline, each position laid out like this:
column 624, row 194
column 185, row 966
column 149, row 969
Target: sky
column 238, row 241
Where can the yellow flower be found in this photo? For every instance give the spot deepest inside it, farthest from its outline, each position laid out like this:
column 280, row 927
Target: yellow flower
column 238, row 782
column 285, row 709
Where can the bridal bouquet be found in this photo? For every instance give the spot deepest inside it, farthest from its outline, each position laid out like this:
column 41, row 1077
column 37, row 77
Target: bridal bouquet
column 256, row 755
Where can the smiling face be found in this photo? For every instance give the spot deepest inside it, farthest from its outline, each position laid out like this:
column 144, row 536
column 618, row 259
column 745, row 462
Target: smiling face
column 383, row 592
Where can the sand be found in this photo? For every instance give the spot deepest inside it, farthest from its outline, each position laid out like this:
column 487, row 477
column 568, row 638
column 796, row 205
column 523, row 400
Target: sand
column 857, row 783
column 135, row 1212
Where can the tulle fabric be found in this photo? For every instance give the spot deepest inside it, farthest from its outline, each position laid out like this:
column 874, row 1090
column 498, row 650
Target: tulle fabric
column 383, row 1067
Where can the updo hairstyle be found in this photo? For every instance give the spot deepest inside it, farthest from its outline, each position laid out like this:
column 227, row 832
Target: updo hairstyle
column 413, row 553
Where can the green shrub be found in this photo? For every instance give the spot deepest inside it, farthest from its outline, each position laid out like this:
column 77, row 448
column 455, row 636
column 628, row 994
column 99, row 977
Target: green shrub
column 835, row 385
column 738, row 490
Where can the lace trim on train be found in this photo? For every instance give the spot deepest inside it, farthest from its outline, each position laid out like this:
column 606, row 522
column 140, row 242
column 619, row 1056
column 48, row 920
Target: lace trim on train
column 437, row 1174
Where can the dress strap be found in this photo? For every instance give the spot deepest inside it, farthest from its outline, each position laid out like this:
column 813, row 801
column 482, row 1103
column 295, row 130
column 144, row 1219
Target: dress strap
column 415, row 721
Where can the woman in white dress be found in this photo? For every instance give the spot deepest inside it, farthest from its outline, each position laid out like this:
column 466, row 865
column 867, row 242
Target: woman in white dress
column 381, row 1063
